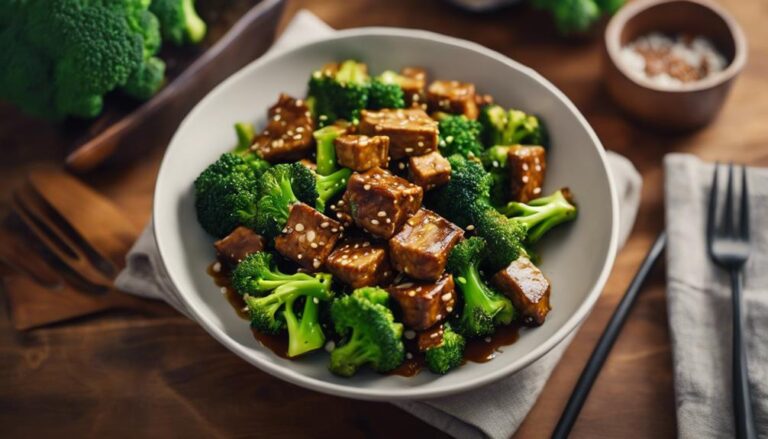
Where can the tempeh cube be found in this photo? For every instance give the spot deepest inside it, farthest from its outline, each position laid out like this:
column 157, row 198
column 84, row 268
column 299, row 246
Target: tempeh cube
column 234, row 247
column 452, row 97
column 528, row 289
column 526, row 165
column 429, row 170
column 288, row 135
column 360, row 152
column 380, row 202
column 421, row 248
column 308, row 237
column 410, row 131
column 360, row 263
column 424, row 304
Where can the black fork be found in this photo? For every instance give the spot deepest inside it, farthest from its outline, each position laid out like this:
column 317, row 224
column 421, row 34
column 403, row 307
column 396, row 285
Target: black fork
column 729, row 247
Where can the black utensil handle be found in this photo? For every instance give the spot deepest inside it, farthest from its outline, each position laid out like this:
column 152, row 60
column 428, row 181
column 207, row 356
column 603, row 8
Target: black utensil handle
column 604, row 345
column 742, row 407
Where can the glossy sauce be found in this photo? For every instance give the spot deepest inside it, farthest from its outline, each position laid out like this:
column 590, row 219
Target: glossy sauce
column 477, row 351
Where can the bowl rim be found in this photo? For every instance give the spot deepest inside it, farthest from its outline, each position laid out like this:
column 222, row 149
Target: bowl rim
column 372, row 393
column 632, row 9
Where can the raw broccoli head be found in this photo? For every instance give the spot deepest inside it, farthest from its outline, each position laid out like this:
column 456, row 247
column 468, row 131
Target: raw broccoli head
column 459, row 135
column 448, row 355
column 179, row 22
column 61, row 57
column 510, row 127
column 386, row 91
column 280, row 187
column 540, row 215
column 372, row 336
column 257, row 274
column 339, row 93
column 326, row 149
column 226, row 193
column 483, row 308
column 330, row 185
column 276, row 311
column 465, row 198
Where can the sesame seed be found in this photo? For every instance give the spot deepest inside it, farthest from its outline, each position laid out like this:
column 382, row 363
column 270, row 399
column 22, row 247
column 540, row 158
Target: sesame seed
column 299, row 256
column 433, row 335
column 389, row 221
column 446, row 297
column 367, row 187
column 461, row 280
column 330, row 346
column 381, row 214
column 313, row 245
column 316, row 300
column 537, row 190
column 525, row 179
column 316, row 263
column 299, row 227
column 244, row 309
column 311, row 235
column 408, row 355
column 408, row 150
column 412, row 293
column 277, row 117
column 449, row 309
column 223, row 290
column 439, row 317
column 421, row 144
column 217, row 267
column 324, row 225
column 401, row 165
column 487, row 339
column 470, row 227
column 299, row 129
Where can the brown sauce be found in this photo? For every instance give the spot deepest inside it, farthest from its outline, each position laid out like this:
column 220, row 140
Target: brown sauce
column 477, row 351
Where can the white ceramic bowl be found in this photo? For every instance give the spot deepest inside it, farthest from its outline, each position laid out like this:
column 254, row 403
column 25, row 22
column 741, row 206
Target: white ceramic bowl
column 577, row 258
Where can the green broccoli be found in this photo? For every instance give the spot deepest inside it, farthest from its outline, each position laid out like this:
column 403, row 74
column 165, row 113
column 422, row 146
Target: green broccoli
column 179, row 22
column 494, row 160
column 371, row 333
column 273, row 312
column 326, row 150
column 330, row 185
column 459, row 135
column 448, row 355
column 542, row 214
column 257, row 274
column 61, row 57
column 339, row 93
column 245, row 134
column 510, row 127
column 483, row 308
column 280, row 187
column 226, row 193
column 386, row 91
column 577, row 15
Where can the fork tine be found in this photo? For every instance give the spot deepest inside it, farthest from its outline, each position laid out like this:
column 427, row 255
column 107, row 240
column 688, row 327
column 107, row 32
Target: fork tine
column 744, row 220
column 728, row 229
column 712, row 208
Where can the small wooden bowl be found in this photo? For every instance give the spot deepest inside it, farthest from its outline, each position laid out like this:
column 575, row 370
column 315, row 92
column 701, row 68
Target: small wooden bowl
column 695, row 104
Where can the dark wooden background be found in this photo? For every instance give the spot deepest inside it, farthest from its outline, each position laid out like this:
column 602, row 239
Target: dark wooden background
column 121, row 374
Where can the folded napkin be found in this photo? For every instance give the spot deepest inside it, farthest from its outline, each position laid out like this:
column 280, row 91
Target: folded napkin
column 699, row 303
column 476, row 413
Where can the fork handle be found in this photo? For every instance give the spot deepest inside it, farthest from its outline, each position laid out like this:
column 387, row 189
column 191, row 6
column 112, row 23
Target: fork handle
column 742, row 407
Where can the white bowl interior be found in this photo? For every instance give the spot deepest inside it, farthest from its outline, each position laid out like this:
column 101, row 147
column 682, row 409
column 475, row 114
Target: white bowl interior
column 576, row 258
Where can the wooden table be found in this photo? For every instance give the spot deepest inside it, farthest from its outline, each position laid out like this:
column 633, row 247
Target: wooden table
column 122, row 374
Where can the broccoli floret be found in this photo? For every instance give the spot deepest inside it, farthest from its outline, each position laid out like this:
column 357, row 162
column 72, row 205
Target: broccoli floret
column 459, row 135
column 61, row 57
column 257, row 274
column 280, row 187
column 226, row 193
column 245, row 133
column 339, row 93
column 576, row 15
column 386, row 91
column 275, row 311
column 371, row 333
column 465, row 201
column 326, row 150
column 510, row 127
column 179, row 22
column 330, row 185
column 448, row 355
column 540, row 215
column 495, row 162
column 483, row 308
column 465, row 197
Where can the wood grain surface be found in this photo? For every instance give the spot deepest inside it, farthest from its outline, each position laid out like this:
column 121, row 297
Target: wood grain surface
column 122, row 374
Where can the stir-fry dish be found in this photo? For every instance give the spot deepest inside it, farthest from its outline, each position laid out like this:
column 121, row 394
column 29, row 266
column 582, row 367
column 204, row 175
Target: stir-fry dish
column 382, row 218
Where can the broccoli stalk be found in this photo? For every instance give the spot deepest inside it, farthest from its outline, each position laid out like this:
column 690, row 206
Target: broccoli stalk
column 372, row 336
column 281, row 186
column 326, row 150
column 386, row 91
column 459, row 135
column 448, row 355
column 483, row 308
column 339, row 92
column 179, row 22
column 509, row 127
column 245, row 133
column 257, row 274
column 540, row 215
column 274, row 312
column 330, row 185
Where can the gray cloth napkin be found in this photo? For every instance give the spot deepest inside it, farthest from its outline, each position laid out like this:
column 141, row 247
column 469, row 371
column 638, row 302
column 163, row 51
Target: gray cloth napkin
column 699, row 303
column 477, row 413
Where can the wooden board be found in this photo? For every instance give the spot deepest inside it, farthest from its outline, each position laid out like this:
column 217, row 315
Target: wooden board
column 120, row 374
